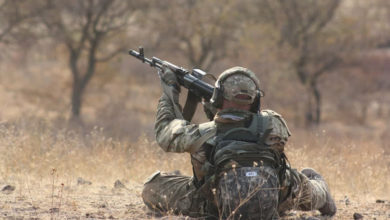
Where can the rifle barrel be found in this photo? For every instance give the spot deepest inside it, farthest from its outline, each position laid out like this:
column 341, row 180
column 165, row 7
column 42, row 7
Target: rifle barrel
column 192, row 82
column 155, row 62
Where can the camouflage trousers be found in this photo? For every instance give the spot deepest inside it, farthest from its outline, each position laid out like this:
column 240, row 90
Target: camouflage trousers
column 176, row 194
column 298, row 192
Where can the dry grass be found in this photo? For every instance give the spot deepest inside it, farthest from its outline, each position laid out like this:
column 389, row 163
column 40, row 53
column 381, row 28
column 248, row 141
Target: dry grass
column 91, row 156
column 355, row 170
column 44, row 167
column 352, row 168
column 35, row 139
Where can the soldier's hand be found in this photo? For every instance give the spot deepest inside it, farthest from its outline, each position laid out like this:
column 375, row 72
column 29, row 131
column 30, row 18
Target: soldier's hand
column 169, row 78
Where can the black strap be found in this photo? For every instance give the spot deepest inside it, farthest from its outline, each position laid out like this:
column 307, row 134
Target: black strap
column 190, row 106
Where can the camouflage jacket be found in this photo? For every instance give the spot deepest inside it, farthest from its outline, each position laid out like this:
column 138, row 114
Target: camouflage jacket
column 174, row 134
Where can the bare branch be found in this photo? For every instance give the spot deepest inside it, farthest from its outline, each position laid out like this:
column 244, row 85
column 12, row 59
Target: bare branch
column 330, row 11
column 201, row 33
column 85, row 29
column 102, row 10
column 110, row 55
column 326, row 67
column 83, row 26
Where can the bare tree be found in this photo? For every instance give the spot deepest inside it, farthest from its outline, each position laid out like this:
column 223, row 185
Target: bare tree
column 303, row 33
column 203, row 31
column 381, row 11
column 314, row 47
column 10, row 18
column 14, row 19
column 86, row 28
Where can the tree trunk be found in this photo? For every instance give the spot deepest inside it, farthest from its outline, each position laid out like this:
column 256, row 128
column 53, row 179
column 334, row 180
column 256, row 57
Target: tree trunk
column 80, row 81
column 77, row 94
column 309, row 111
column 317, row 103
column 313, row 106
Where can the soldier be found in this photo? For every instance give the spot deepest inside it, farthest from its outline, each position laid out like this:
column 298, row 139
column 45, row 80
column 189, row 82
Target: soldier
column 238, row 159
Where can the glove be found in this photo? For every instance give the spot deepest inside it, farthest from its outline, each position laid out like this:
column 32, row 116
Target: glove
column 171, row 89
column 169, row 78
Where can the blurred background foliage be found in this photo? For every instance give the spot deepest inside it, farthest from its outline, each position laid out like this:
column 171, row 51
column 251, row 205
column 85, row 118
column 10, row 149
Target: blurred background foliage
column 322, row 64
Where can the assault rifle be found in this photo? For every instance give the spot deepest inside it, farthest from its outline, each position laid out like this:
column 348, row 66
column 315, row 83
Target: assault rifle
column 191, row 80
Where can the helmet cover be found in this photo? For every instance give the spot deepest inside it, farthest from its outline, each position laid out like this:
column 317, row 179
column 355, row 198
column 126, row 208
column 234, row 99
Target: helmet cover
column 240, row 85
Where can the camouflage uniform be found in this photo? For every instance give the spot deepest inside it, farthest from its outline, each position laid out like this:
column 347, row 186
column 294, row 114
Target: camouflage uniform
column 177, row 194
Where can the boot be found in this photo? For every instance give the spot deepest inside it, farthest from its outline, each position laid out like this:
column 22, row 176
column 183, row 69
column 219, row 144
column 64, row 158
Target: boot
column 329, row 209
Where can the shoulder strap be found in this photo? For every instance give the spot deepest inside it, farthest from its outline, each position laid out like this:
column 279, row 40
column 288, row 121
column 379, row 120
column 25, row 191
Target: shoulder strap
column 198, row 143
column 255, row 132
column 207, row 131
column 190, row 106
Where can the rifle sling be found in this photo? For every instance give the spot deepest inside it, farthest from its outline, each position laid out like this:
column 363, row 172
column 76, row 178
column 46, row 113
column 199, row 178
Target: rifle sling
column 190, row 106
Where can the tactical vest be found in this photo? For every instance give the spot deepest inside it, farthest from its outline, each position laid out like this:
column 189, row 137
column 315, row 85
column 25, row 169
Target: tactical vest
column 232, row 146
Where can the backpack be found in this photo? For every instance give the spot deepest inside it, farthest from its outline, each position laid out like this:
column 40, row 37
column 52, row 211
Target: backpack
column 239, row 168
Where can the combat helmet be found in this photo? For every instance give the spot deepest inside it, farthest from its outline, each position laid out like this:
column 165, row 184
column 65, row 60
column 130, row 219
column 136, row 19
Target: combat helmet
column 240, row 85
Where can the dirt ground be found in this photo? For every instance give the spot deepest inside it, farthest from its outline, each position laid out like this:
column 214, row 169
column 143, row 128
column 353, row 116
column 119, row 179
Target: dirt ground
column 82, row 199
